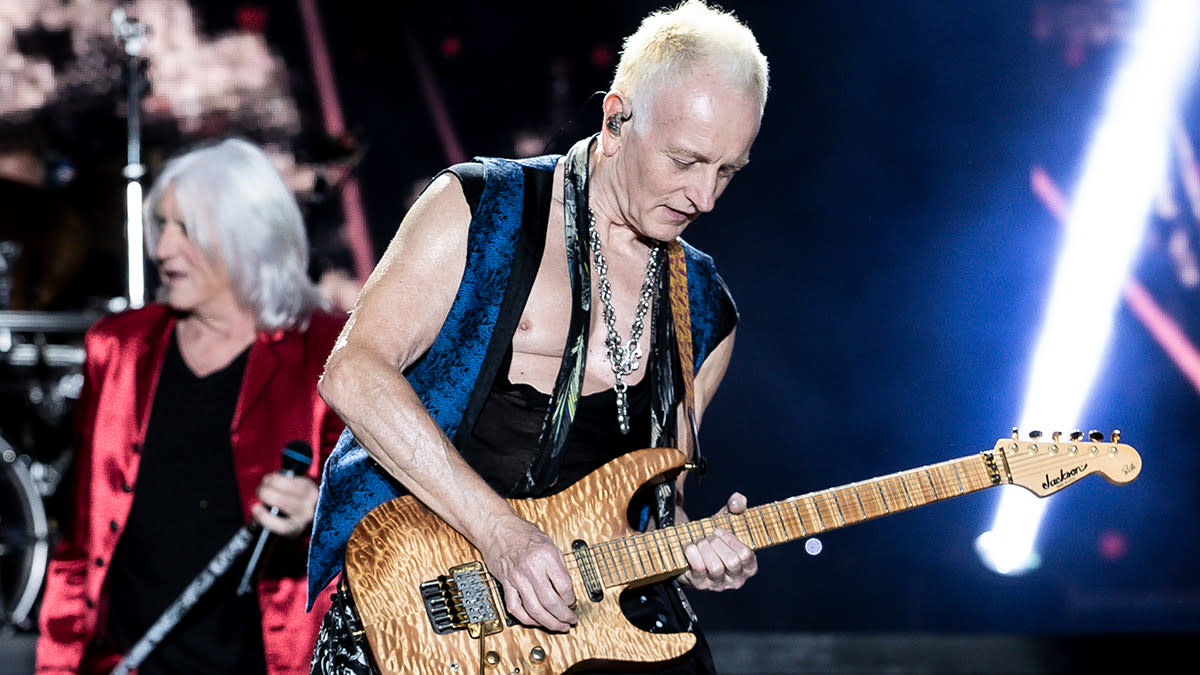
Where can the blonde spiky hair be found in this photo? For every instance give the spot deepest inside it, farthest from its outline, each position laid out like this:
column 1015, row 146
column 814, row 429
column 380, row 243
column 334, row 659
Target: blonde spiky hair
column 670, row 41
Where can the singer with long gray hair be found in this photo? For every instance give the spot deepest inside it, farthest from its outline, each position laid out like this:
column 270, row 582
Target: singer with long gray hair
column 186, row 406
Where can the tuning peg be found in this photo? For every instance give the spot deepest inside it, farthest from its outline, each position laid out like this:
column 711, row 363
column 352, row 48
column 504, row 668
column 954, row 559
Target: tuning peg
column 1096, row 436
column 1035, row 434
column 1016, row 434
column 1076, row 435
column 1116, row 436
column 1056, row 435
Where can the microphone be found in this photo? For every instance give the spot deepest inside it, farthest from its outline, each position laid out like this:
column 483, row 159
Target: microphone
column 297, row 457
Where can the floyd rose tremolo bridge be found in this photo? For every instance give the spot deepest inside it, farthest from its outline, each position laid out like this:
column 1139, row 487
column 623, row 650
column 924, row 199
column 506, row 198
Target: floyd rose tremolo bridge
column 462, row 600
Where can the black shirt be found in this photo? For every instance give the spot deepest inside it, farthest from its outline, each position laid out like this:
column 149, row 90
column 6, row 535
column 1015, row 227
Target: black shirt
column 186, row 507
column 505, row 436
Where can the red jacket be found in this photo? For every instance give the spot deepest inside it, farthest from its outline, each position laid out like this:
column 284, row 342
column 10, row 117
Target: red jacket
column 278, row 403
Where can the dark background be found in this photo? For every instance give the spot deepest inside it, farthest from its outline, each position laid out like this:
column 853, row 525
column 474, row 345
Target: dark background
column 890, row 264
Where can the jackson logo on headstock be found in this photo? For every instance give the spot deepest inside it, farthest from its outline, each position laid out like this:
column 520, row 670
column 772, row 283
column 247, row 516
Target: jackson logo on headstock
column 1063, row 477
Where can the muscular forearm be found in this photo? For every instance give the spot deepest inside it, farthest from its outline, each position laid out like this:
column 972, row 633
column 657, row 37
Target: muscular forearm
column 392, row 425
column 390, row 422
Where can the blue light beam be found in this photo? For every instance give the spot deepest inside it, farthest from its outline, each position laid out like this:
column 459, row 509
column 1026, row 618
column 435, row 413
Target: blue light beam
column 1125, row 167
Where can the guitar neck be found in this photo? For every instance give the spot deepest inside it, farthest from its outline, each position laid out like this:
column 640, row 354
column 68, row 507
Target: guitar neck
column 659, row 553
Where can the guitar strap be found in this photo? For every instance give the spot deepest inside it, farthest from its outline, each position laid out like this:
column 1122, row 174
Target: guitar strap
column 681, row 315
column 681, row 325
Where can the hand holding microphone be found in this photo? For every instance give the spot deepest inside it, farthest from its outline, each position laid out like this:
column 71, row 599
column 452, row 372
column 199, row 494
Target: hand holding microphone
column 292, row 496
column 292, row 489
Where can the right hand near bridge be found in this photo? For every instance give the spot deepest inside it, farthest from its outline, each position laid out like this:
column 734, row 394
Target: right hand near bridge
column 529, row 566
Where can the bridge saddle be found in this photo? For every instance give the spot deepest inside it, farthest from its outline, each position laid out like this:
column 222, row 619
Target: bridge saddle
column 461, row 600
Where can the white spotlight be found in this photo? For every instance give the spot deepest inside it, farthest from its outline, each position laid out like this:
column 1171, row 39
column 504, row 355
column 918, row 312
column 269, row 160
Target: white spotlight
column 135, row 263
column 1125, row 166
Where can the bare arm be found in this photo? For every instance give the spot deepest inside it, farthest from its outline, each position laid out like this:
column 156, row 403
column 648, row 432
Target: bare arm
column 396, row 319
column 719, row 561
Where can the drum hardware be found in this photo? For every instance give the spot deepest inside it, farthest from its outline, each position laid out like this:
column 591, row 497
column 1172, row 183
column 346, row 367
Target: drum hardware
column 24, row 542
column 55, row 356
column 46, row 476
column 10, row 251
column 46, row 377
column 21, row 321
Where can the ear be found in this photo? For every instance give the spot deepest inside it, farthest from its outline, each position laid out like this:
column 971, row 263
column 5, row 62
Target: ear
column 617, row 111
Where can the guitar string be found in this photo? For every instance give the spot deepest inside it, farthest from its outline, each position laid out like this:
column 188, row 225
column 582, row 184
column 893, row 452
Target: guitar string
column 622, row 554
column 616, row 559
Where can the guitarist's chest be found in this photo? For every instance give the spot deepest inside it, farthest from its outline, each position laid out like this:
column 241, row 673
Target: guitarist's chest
column 545, row 325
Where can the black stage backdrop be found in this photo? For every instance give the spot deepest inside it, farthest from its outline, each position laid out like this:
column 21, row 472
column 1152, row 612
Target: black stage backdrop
column 890, row 263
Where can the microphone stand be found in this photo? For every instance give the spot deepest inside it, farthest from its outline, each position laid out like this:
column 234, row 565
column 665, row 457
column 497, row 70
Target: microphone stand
column 132, row 36
column 174, row 613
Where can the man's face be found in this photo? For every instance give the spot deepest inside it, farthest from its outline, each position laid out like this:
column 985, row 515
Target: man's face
column 674, row 165
column 190, row 281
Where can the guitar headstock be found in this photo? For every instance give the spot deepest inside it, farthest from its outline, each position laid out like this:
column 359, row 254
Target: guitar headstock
column 1047, row 465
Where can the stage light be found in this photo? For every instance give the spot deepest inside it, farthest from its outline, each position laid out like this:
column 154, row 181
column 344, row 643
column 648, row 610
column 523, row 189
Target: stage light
column 1125, row 166
column 133, row 236
column 813, row 546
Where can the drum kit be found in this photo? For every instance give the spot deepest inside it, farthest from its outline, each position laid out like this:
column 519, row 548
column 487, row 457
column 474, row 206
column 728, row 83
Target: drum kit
column 41, row 375
column 41, row 350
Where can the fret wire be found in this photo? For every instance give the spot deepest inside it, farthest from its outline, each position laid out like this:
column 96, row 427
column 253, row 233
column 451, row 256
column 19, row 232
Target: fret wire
column 914, row 492
column 641, row 553
column 882, row 498
column 782, row 521
column 958, row 477
column 665, row 550
column 918, row 487
column 858, row 495
column 841, row 516
column 907, row 495
column 598, row 563
column 619, row 570
column 815, row 508
column 604, row 563
column 748, row 516
column 679, row 542
column 799, row 518
column 749, row 530
column 766, row 529
column 848, row 514
column 654, row 549
column 939, row 470
column 617, row 551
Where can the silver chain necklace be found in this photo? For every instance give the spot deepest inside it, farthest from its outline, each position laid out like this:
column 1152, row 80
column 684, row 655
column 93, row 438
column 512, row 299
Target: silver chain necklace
column 622, row 356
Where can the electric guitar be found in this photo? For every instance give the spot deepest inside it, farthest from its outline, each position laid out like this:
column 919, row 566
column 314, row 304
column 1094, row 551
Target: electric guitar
column 429, row 606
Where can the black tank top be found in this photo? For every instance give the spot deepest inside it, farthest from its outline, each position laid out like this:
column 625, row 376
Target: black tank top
column 505, row 436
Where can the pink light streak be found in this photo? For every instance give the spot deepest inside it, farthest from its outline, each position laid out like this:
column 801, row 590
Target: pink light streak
column 358, row 237
column 1161, row 326
column 437, row 107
